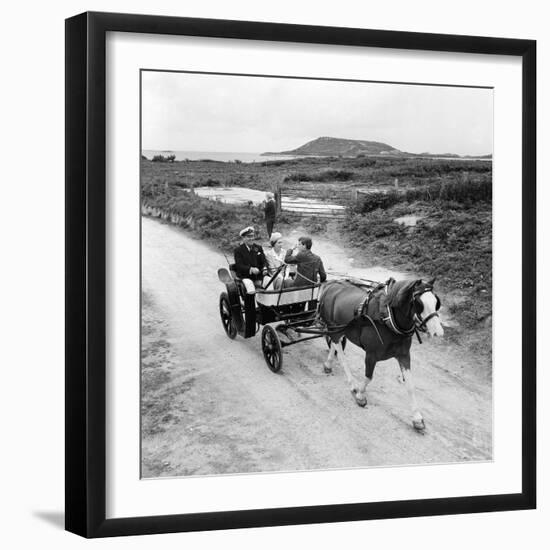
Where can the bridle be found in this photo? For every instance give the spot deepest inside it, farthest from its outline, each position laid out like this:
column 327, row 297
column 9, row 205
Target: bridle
column 419, row 321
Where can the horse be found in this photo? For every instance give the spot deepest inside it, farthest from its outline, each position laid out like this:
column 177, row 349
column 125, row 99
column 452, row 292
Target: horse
column 381, row 319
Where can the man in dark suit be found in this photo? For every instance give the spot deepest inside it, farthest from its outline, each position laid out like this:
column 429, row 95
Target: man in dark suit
column 270, row 211
column 250, row 260
column 310, row 269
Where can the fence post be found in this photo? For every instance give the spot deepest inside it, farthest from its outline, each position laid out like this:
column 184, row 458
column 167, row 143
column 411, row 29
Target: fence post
column 278, row 198
column 396, row 183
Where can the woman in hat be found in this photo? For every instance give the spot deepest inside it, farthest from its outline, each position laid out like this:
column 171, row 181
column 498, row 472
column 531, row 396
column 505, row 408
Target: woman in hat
column 275, row 258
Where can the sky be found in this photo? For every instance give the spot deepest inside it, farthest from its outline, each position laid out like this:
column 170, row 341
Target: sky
column 225, row 113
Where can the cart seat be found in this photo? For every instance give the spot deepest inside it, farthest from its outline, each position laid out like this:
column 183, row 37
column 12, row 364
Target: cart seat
column 287, row 296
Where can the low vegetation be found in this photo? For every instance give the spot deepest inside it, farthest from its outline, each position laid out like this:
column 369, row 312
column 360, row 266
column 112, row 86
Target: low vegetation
column 325, row 175
column 452, row 239
column 162, row 158
column 468, row 192
column 214, row 221
column 363, row 172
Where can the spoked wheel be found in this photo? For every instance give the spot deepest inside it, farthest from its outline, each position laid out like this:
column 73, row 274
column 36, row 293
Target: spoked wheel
column 271, row 347
column 225, row 315
column 344, row 341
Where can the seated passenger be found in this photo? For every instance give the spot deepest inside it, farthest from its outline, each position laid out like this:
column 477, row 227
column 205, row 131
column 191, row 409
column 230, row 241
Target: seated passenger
column 310, row 269
column 250, row 260
column 275, row 258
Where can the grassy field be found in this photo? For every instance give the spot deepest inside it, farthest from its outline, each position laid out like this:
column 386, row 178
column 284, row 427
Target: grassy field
column 452, row 200
column 344, row 173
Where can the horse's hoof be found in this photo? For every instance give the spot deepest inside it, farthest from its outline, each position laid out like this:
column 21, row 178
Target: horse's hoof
column 361, row 401
column 419, row 425
column 327, row 369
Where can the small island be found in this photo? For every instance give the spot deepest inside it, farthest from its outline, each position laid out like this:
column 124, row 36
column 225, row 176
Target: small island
column 339, row 147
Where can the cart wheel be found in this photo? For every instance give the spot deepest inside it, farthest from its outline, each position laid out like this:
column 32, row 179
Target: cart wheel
column 225, row 315
column 343, row 340
column 271, row 347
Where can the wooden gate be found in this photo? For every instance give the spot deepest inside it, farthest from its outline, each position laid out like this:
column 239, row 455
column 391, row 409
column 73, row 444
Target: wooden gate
column 319, row 199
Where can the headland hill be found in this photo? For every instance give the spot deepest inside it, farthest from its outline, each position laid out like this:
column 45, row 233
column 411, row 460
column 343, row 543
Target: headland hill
column 340, row 147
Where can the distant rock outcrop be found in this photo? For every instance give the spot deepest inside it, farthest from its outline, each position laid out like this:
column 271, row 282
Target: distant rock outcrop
column 329, row 146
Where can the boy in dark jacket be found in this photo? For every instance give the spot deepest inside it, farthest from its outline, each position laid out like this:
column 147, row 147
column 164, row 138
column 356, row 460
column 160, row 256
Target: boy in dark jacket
column 310, row 269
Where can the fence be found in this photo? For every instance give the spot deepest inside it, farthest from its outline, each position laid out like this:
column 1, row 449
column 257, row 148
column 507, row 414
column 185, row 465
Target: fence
column 319, row 199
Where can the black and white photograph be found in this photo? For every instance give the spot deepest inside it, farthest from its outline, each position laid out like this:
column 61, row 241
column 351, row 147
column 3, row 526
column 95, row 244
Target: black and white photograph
column 274, row 275
column 316, row 274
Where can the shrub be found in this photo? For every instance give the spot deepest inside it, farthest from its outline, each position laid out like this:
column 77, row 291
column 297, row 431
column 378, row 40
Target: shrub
column 210, row 182
column 162, row 158
column 364, row 162
column 337, row 175
column 378, row 200
column 317, row 225
column 298, row 176
column 458, row 193
column 325, row 175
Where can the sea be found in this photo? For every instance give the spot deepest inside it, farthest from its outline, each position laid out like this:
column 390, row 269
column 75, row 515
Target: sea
column 258, row 157
column 216, row 155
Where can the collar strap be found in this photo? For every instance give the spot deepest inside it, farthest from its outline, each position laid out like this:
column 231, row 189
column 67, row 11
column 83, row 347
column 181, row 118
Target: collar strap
column 390, row 321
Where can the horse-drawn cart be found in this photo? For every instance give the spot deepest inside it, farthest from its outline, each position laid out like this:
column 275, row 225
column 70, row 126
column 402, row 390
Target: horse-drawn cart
column 287, row 316
column 380, row 318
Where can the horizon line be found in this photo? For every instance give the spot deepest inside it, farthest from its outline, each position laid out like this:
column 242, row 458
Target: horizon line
column 283, row 153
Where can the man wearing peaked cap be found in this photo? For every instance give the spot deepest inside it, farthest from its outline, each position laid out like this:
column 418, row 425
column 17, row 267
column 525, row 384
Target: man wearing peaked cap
column 250, row 260
column 247, row 231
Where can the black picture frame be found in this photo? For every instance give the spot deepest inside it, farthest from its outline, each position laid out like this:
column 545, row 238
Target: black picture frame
column 86, row 274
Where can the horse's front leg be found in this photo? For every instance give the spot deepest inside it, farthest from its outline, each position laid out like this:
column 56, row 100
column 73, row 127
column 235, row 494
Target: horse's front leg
column 405, row 366
column 357, row 389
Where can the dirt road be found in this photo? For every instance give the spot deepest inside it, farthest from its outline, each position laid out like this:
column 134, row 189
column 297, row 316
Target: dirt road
column 211, row 406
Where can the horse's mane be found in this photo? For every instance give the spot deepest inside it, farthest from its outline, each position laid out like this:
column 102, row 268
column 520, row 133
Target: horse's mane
column 398, row 291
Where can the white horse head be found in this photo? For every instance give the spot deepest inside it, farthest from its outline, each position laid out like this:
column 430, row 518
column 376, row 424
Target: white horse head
column 429, row 317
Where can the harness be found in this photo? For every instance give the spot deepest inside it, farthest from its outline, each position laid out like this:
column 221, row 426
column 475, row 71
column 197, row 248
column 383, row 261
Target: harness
column 419, row 322
column 361, row 311
column 385, row 312
column 390, row 322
